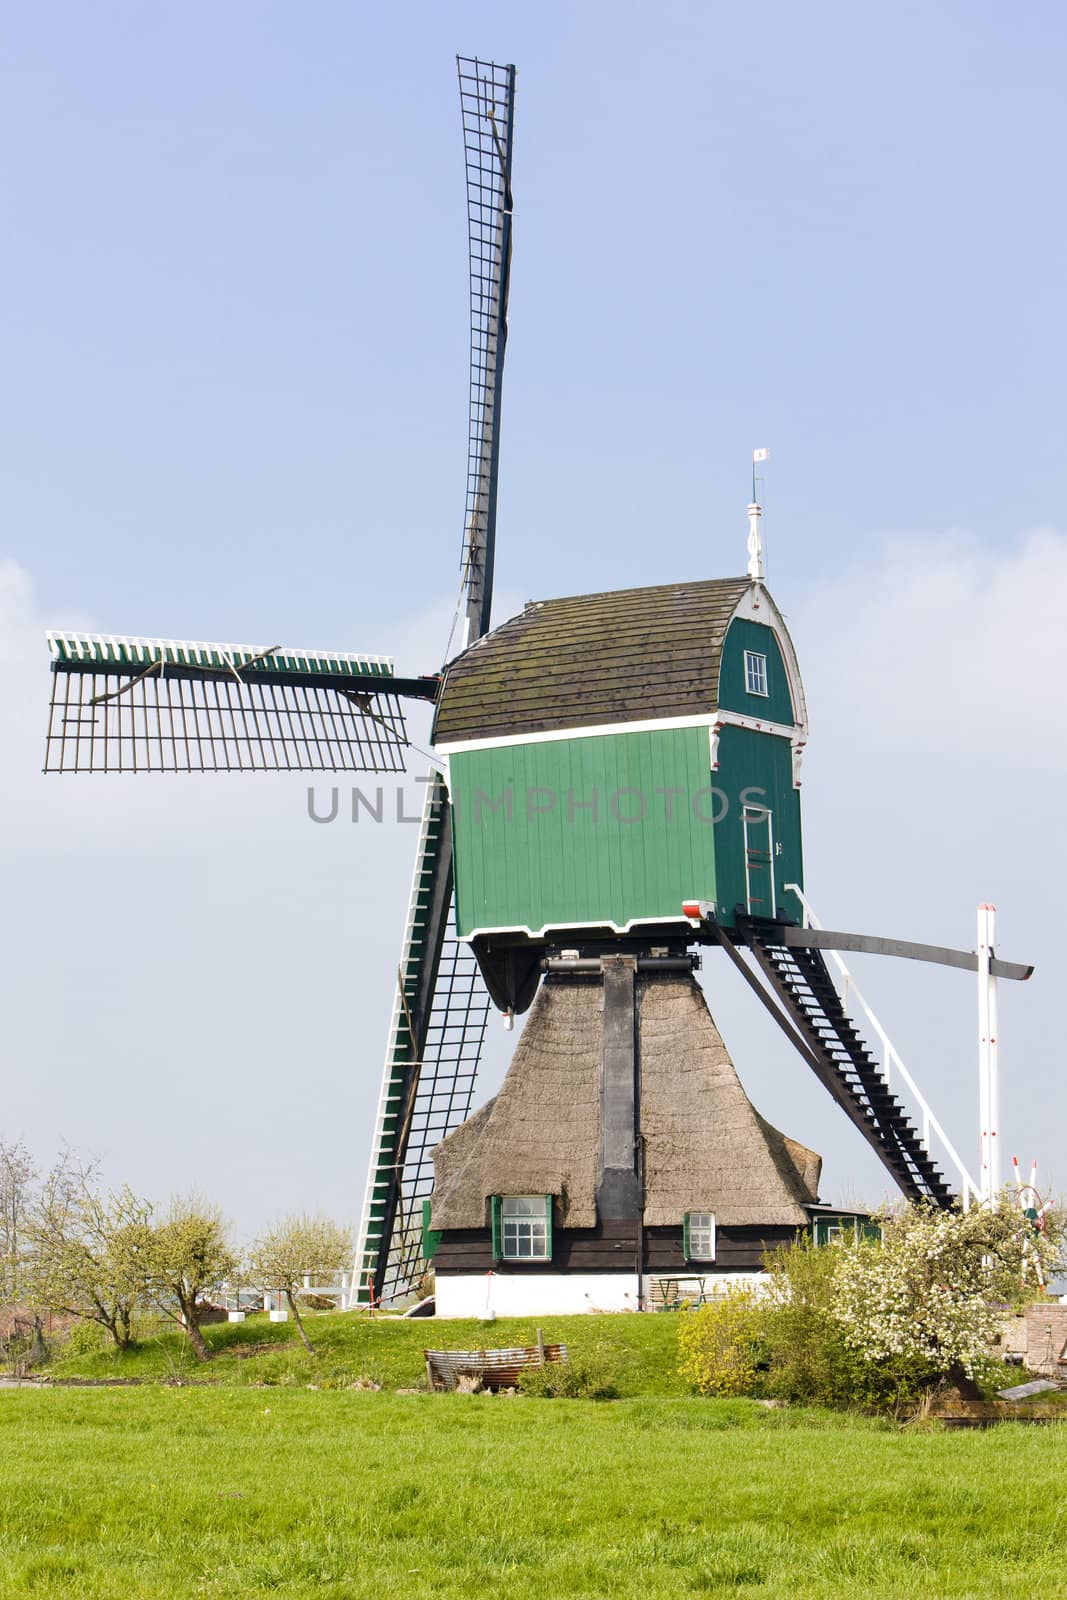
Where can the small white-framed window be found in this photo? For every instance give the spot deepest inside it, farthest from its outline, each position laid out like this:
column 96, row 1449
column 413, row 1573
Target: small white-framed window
column 698, row 1235
column 756, row 673
column 525, row 1227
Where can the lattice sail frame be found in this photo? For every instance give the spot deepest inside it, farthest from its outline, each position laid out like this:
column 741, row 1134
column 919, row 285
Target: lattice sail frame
column 422, row 1098
column 487, row 102
column 122, row 704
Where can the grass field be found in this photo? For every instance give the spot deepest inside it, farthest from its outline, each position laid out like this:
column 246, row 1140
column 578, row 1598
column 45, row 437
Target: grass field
column 245, row 1481
column 234, row 1492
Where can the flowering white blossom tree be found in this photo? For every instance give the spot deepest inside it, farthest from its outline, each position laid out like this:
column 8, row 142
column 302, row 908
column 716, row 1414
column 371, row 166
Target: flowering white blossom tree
column 937, row 1284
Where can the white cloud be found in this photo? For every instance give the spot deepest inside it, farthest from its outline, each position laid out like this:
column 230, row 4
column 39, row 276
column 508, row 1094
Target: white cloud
column 940, row 645
column 935, row 673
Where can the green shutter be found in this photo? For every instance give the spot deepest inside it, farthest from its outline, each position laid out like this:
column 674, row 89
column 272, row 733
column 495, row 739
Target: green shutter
column 498, row 1239
column 685, row 1236
column 871, row 1231
column 431, row 1237
column 548, row 1225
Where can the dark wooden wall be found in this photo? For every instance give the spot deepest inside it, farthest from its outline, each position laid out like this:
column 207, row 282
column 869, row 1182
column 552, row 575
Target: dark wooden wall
column 612, row 1247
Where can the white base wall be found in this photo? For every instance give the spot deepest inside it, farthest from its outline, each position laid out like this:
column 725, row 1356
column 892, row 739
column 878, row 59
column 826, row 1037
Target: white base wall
column 514, row 1294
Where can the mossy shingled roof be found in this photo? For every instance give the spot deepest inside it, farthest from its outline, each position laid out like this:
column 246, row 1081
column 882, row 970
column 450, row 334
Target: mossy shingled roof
column 626, row 655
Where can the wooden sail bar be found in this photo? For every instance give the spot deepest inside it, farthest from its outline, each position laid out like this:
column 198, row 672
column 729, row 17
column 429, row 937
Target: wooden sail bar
column 127, row 656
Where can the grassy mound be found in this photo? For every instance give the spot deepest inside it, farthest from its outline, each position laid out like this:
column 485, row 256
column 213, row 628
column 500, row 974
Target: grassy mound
column 640, row 1351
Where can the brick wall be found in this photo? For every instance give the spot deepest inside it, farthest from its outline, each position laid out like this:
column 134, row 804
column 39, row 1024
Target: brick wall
column 1046, row 1341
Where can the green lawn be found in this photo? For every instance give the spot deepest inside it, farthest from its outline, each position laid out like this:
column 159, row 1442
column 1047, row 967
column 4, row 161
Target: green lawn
column 244, row 1480
column 237, row 1492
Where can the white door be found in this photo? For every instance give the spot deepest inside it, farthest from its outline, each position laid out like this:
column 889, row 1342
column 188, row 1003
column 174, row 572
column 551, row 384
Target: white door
column 758, row 827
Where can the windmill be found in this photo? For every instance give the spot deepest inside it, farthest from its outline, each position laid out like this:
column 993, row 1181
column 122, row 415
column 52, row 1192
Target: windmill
column 572, row 852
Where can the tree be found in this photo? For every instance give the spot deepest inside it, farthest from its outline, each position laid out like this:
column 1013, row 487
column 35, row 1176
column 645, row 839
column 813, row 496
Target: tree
column 88, row 1251
column 188, row 1253
column 17, row 1176
column 809, row 1359
column 300, row 1247
column 936, row 1286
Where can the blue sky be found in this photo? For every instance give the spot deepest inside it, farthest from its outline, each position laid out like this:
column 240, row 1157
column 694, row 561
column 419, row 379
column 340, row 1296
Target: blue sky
column 233, row 323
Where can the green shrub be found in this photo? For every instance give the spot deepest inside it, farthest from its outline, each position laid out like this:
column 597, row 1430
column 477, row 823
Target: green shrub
column 85, row 1338
column 784, row 1339
column 721, row 1346
column 809, row 1361
column 589, row 1377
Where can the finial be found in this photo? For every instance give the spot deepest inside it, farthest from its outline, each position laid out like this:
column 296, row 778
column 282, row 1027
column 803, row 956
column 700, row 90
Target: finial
column 755, row 512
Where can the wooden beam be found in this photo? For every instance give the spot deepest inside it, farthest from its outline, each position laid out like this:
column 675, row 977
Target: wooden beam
column 941, row 955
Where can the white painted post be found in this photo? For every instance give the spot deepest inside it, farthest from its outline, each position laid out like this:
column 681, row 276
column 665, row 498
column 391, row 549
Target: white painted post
column 995, row 1168
column 988, row 1055
column 755, row 543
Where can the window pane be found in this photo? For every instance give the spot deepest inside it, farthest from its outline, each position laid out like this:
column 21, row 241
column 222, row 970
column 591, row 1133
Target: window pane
column 524, row 1227
column 755, row 672
column 701, row 1236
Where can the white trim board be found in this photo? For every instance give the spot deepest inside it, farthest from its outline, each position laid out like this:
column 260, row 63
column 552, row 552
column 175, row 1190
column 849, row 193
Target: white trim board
column 600, row 730
column 710, row 719
column 566, row 927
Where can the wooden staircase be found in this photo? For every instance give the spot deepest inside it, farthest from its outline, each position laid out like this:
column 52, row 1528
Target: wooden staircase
column 801, row 981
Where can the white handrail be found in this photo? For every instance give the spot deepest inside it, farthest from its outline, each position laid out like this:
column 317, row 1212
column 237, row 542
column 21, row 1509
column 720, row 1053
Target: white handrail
column 891, row 1057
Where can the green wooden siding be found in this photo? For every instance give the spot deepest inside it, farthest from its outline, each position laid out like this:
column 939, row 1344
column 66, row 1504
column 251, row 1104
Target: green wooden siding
column 542, row 838
column 776, row 705
column 757, row 768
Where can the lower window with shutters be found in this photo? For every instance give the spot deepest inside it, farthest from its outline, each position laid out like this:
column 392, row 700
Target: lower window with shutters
column 522, row 1227
column 698, row 1235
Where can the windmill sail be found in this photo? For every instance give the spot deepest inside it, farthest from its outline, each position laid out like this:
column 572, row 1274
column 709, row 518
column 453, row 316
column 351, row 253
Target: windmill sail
column 162, row 705
column 487, row 101
column 440, row 1014
column 442, row 1007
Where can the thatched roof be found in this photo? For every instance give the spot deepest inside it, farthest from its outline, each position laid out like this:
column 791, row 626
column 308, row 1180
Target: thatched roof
column 541, row 1133
column 706, row 1147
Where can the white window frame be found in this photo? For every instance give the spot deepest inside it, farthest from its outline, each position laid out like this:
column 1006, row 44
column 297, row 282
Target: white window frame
column 708, row 1229
column 756, row 674
column 528, row 1226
